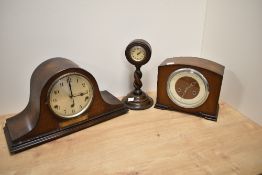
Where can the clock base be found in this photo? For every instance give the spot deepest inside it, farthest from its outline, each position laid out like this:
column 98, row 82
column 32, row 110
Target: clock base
column 118, row 109
column 137, row 102
column 199, row 114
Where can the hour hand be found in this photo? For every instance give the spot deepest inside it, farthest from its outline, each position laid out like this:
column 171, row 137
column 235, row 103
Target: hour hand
column 73, row 104
column 80, row 94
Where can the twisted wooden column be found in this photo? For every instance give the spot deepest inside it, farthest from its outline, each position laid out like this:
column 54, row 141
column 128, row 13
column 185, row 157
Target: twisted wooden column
column 137, row 82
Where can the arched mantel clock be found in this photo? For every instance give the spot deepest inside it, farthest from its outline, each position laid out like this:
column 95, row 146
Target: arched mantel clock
column 63, row 99
column 191, row 85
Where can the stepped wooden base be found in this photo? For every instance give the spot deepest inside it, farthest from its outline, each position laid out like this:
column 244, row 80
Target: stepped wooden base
column 138, row 102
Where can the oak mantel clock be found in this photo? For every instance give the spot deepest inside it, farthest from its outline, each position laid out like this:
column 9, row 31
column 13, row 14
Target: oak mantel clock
column 63, row 99
column 191, row 85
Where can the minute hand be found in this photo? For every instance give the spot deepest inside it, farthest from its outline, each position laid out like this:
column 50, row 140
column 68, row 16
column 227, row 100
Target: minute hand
column 70, row 87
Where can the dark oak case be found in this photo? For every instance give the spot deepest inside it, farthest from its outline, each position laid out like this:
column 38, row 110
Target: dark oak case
column 37, row 124
column 212, row 71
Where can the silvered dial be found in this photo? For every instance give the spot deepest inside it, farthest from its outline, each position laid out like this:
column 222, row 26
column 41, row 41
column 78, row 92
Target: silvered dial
column 137, row 53
column 187, row 88
column 70, row 95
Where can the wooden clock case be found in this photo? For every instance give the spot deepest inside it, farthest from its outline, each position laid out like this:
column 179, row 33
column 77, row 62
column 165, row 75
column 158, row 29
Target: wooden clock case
column 139, row 99
column 37, row 124
column 212, row 71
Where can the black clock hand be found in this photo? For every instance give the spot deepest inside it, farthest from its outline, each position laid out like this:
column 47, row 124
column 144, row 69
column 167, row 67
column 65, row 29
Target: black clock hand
column 80, row 94
column 71, row 96
column 70, row 87
column 72, row 105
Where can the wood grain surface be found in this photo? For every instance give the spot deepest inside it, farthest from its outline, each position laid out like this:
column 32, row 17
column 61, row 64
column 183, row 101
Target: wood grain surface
column 151, row 141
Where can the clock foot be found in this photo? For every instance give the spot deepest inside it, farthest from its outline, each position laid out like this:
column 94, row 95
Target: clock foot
column 137, row 102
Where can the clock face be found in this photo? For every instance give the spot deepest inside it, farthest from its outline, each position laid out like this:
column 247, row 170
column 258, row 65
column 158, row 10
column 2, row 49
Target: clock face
column 70, row 95
column 187, row 88
column 138, row 53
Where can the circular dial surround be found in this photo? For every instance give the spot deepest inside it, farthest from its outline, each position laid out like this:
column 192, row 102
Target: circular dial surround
column 187, row 88
column 70, row 95
column 138, row 53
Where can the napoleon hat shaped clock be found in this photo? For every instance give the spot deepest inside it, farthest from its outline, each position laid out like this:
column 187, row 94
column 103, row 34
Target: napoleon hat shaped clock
column 63, row 99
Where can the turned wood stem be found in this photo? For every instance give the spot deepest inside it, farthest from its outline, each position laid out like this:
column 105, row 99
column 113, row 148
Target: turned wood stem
column 137, row 82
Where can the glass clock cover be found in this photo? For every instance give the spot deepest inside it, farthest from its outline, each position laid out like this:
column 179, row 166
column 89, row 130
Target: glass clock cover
column 138, row 53
column 70, row 95
column 187, row 88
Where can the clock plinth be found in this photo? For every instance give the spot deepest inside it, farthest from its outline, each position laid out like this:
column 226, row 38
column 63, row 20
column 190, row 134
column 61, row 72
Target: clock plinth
column 137, row 102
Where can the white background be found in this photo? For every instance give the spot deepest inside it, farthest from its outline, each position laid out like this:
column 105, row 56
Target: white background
column 233, row 37
column 94, row 34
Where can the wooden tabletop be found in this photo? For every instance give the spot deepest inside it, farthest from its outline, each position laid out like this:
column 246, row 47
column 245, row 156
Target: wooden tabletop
column 147, row 142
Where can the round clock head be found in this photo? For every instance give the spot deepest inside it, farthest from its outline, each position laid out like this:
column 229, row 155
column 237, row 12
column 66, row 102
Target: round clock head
column 138, row 52
column 70, row 95
column 187, row 88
